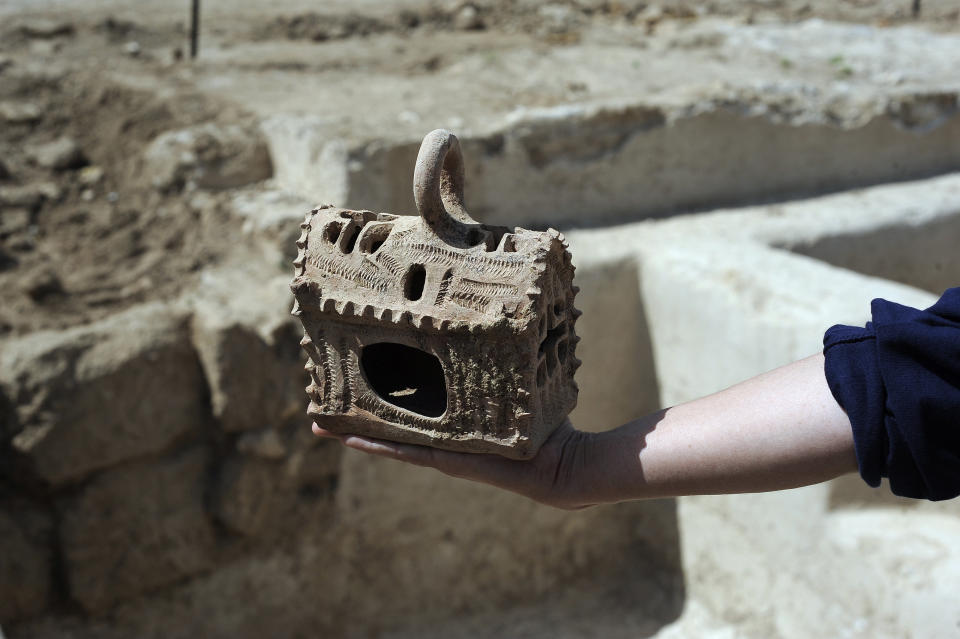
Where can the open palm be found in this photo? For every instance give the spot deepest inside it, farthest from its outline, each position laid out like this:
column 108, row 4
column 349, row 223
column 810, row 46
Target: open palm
column 545, row 478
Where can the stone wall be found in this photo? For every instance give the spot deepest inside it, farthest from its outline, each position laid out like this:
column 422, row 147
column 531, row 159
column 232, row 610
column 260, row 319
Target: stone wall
column 160, row 478
column 157, row 473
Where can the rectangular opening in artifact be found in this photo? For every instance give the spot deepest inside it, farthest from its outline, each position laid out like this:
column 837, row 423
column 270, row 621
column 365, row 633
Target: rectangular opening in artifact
column 550, row 347
column 406, row 377
column 373, row 237
column 331, row 232
column 414, row 282
column 348, row 239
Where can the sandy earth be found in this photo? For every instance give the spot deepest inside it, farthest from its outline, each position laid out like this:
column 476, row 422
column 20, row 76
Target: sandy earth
column 82, row 241
column 86, row 87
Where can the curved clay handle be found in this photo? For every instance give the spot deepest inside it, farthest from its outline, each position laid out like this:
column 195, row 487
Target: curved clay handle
column 438, row 186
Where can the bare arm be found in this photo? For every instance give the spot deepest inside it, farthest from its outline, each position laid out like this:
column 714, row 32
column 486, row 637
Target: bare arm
column 779, row 430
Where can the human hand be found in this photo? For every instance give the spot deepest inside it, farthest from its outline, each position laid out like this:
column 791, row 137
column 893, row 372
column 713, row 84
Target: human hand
column 779, row 430
column 551, row 477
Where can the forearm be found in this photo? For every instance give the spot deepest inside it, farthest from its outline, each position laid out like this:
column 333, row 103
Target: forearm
column 780, row 430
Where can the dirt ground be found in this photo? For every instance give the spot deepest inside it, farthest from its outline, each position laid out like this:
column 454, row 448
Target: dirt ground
column 122, row 161
column 84, row 233
column 88, row 233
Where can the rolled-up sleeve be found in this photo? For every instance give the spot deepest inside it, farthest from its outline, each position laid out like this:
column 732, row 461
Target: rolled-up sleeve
column 898, row 379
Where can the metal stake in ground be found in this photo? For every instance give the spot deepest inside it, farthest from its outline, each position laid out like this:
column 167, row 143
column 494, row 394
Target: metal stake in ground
column 194, row 28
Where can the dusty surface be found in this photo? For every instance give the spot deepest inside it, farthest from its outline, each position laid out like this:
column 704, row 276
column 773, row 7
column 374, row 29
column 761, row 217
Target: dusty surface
column 93, row 236
column 156, row 473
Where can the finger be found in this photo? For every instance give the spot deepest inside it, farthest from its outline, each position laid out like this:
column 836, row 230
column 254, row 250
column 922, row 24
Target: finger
column 323, row 432
column 419, row 455
column 490, row 469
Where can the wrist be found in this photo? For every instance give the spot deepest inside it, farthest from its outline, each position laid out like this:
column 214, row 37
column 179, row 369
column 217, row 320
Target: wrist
column 611, row 469
column 575, row 485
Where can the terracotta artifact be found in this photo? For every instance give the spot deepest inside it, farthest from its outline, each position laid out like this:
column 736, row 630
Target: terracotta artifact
column 435, row 329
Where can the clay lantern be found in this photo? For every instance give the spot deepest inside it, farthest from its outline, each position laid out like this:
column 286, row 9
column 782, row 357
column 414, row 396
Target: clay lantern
column 434, row 329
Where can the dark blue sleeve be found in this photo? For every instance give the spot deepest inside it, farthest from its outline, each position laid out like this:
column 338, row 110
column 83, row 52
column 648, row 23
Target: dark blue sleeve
column 898, row 379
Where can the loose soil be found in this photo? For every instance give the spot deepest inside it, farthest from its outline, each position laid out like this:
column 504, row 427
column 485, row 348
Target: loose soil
column 81, row 242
